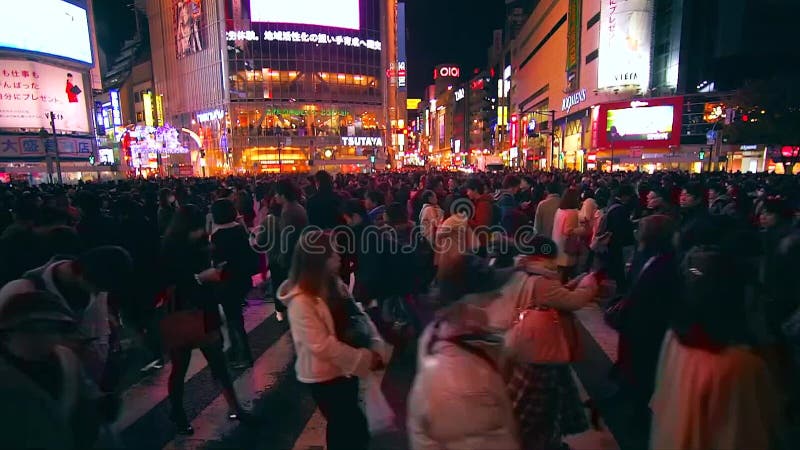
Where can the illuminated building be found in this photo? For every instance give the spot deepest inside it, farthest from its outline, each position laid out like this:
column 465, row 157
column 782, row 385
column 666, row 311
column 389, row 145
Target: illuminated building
column 44, row 78
column 281, row 86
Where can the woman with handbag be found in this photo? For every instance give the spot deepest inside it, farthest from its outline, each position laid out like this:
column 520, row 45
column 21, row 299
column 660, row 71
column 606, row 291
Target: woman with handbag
column 334, row 341
column 193, row 319
column 568, row 234
column 543, row 341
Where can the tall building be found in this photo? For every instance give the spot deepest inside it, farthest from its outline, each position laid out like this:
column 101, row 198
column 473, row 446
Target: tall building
column 276, row 86
column 46, row 53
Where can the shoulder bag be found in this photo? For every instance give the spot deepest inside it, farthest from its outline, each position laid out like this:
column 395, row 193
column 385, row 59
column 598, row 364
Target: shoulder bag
column 181, row 330
column 538, row 335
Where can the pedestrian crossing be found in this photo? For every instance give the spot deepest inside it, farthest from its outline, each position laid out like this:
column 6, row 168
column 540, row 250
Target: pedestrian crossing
column 286, row 415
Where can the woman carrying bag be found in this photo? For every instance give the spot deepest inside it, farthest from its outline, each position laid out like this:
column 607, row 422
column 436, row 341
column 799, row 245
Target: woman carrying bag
column 192, row 319
column 334, row 341
column 543, row 341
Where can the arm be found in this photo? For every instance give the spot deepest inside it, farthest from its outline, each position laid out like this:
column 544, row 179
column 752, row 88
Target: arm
column 309, row 329
column 537, row 220
column 551, row 293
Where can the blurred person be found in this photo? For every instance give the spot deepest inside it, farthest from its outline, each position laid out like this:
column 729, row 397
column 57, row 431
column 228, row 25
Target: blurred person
column 374, row 203
column 719, row 202
column 431, row 215
column 545, row 397
column 713, row 389
column 323, row 207
column 167, row 205
column 617, row 223
column 546, row 211
column 190, row 281
column 566, row 225
column 458, row 398
column 83, row 285
column 48, row 403
column 696, row 223
column 230, row 246
column 482, row 209
column 643, row 314
column 658, row 204
column 318, row 310
column 507, row 203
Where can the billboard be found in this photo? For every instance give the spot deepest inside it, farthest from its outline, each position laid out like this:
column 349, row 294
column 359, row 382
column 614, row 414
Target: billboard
column 327, row 13
column 641, row 123
column 49, row 27
column 29, row 91
column 188, row 27
column 625, row 40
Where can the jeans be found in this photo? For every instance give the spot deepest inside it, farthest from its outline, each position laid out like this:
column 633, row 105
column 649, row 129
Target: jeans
column 240, row 345
column 212, row 351
column 337, row 399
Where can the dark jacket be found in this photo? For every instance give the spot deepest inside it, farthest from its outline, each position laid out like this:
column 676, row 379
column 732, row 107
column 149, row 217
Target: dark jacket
column 654, row 291
column 182, row 259
column 323, row 209
column 291, row 224
column 232, row 246
column 697, row 228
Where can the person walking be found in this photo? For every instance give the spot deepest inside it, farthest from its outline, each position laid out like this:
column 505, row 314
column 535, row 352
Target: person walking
column 431, row 216
column 546, row 211
column 566, row 227
column 190, row 281
column 330, row 358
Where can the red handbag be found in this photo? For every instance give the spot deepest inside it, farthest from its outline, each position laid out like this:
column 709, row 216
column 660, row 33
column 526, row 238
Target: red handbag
column 181, row 330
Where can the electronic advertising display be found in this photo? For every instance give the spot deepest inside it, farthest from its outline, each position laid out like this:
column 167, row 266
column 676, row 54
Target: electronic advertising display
column 327, row 13
column 625, row 43
column 641, row 123
column 50, row 27
column 29, row 91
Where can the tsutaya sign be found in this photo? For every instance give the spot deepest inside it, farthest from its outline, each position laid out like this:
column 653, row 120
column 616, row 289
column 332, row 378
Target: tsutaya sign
column 573, row 99
column 362, row 141
column 216, row 114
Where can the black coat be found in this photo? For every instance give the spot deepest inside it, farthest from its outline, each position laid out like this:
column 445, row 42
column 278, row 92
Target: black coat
column 324, row 209
column 232, row 246
column 181, row 260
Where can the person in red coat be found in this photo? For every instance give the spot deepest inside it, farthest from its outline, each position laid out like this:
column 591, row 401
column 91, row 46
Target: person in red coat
column 72, row 93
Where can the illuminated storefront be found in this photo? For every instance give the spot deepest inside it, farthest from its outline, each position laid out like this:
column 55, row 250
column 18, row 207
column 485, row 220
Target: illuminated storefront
column 300, row 79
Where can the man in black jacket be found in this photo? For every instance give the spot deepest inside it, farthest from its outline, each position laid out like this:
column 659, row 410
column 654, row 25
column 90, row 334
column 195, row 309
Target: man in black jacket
column 618, row 223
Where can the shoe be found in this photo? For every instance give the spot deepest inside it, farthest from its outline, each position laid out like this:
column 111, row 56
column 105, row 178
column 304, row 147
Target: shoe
column 241, row 416
column 153, row 365
column 241, row 365
column 182, row 425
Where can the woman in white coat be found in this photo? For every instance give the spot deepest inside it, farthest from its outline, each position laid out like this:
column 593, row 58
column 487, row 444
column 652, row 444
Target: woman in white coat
column 459, row 398
column 317, row 304
column 566, row 224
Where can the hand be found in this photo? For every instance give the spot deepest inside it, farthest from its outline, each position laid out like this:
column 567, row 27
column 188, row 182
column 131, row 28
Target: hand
column 526, row 205
column 377, row 361
column 212, row 275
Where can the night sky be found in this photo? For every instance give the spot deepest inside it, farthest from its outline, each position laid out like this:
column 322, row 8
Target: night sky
column 439, row 31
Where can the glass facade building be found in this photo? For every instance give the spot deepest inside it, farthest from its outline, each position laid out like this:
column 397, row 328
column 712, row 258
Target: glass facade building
column 295, row 97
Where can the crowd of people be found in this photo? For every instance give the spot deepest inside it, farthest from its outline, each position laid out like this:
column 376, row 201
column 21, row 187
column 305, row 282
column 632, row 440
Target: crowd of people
column 482, row 272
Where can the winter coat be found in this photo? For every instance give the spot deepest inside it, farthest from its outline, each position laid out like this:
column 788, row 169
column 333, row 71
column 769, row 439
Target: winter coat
column 565, row 223
column 458, row 401
column 231, row 245
column 704, row 399
column 321, row 356
column 545, row 215
column 323, row 209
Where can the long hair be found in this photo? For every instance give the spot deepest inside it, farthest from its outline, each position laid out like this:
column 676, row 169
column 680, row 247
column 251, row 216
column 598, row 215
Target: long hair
column 308, row 262
column 186, row 219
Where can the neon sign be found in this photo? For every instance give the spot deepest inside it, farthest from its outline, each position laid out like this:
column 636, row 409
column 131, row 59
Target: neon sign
column 296, row 36
column 216, row 114
column 459, row 94
column 447, row 71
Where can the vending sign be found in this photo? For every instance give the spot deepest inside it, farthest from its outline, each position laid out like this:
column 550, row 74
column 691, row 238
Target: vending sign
column 30, row 91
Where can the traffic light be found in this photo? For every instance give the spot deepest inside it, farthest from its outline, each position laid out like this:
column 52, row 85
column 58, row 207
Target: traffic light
column 372, row 159
column 702, row 155
column 91, row 160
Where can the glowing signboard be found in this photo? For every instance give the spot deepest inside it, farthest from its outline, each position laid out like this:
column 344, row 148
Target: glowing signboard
column 625, row 41
column 327, row 13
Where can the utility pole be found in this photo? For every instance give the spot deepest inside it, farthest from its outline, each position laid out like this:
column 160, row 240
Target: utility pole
column 280, row 147
column 55, row 145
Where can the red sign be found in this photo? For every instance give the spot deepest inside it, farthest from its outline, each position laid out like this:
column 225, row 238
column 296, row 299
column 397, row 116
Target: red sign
column 446, row 71
column 789, row 152
column 389, row 73
column 401, row 73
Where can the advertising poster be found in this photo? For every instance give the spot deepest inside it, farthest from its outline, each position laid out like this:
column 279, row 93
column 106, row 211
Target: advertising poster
column 573, row 39
column 29, row 91
column 649, row 123
column 188, row 27
column 328, row 13
column 625, row 40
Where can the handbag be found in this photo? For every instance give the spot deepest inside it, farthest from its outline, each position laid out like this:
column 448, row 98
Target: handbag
column 538, row 334
column 75, row 90
column 181, row 330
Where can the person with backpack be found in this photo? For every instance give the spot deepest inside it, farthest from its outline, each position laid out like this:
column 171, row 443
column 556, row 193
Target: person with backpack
column 230, row 249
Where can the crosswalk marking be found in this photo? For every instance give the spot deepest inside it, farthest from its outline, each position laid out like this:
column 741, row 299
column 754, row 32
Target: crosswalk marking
column 150, row 391
column 212, row 424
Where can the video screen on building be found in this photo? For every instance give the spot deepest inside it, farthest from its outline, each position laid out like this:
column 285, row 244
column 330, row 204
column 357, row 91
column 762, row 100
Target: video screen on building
column 327, row 13
column 52, row 27
column 649, row 123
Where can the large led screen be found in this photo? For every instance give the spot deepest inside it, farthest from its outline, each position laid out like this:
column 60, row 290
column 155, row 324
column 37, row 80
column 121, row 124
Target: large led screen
column 653, row 123
column 52, row 27
column 30, row 91
column 647, row 122
column 328, row 13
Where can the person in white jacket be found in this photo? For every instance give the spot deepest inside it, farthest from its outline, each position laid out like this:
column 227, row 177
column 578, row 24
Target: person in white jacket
column 459, row 399
column 431, row 215
column 567, row 224
column 316, row 300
